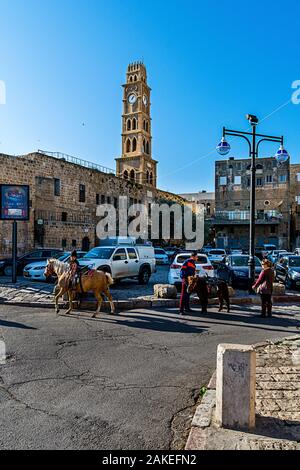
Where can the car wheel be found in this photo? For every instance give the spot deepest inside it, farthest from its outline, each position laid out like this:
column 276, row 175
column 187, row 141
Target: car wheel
column 8, row 271
column 144, row 276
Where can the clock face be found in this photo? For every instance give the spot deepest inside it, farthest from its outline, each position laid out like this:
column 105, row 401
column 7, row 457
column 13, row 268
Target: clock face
column 145, row 100
column 132, row 98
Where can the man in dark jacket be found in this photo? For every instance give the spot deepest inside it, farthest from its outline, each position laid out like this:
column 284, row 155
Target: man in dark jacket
column 188, row 269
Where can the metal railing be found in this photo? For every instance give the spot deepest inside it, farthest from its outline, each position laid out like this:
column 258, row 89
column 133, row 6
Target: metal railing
column 245, row 215
column 77, row 161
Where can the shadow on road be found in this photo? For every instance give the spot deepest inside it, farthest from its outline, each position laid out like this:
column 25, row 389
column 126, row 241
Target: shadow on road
column 11, row 324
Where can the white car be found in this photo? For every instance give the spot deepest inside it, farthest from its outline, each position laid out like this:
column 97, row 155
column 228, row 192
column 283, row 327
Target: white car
column 122, row 261
column 161, row 256
column 203, row 267
column 216, row 255
column 35, row 271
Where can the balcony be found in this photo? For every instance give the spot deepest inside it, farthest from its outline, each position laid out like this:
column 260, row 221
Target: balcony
column 271, row 217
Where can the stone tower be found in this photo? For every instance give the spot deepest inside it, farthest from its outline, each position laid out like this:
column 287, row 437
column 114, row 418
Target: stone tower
column 136, row 163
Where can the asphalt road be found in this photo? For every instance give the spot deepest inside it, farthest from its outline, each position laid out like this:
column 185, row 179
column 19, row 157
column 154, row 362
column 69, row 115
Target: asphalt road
column 114, row 382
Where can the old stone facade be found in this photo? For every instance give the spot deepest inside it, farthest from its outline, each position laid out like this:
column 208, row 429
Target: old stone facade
column 136, row 162
column 64, row 197
column 273, row 203
column 295, row 205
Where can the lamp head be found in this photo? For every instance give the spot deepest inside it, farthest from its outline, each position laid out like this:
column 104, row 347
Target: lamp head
column 252, row 119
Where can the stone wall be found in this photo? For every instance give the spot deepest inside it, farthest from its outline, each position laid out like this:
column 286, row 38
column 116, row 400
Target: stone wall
column 61, row 220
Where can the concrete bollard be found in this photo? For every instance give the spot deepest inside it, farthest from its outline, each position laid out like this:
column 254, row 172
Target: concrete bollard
column 235, row 386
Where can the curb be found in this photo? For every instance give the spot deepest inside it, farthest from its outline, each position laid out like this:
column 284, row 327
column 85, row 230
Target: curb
column 204, row 412
column 155, row 303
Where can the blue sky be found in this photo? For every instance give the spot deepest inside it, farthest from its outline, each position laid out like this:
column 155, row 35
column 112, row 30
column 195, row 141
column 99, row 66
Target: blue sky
column 209, row 63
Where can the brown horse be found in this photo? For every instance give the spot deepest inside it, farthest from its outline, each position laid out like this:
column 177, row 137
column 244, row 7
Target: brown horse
column 200, row 286
column 97, row 282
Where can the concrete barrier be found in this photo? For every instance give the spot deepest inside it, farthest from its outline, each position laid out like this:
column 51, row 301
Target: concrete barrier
column 235, row 386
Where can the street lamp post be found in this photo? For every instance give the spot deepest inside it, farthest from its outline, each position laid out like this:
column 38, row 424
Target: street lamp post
column 282, row 156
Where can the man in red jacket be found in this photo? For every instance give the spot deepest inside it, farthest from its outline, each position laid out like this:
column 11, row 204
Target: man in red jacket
column 188, row 269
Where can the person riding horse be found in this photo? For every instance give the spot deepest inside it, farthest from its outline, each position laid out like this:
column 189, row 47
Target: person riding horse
column 74, row 269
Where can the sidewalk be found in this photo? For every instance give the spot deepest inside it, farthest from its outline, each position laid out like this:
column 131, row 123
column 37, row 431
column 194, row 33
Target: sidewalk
column 126, row 295
column 277, row 405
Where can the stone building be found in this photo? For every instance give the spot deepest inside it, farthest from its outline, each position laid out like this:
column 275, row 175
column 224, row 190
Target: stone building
column 204, row 199
column 295, row 205
column 232, row 214
column 65, row 191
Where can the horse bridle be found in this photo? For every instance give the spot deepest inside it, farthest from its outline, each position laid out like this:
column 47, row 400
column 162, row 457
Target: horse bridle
column 49, row 270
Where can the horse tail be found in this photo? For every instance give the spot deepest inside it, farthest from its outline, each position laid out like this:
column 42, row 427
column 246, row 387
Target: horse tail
column 109, row 279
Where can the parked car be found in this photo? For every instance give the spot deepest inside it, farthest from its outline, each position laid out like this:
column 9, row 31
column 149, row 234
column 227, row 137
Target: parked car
column 161, row 256
column 236, row 252
column 287, row 270
column 203, row 267
column 206, row 249
column 35, row 271
column 34, row 256
column 234, row 269
column 216, row 255
column 275, row 255
column 172, row 252
column 297, row 251
column 123, row 261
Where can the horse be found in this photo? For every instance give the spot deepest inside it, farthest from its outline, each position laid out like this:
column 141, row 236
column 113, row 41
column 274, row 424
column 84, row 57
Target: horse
column 199, row 285
column 96, row 281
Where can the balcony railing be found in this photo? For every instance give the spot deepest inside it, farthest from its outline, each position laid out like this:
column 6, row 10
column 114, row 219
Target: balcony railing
column 77, row 161
column 262, row 217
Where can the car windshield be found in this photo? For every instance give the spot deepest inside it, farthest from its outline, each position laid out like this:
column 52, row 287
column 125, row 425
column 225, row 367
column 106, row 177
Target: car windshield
column 294, row 261
column 243, row 261
column 99, row 253
column 217, row 252
column 182, row 258
column 160, row 252
column 63, row 257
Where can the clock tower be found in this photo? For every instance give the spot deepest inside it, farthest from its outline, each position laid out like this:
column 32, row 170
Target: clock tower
column 136, row 163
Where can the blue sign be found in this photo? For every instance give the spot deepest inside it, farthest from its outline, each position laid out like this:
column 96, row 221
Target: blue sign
column 14, row 202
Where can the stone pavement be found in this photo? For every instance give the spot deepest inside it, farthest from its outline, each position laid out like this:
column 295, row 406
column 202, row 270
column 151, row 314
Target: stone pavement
column 277, row 405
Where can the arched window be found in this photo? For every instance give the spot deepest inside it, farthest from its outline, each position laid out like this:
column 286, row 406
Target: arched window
column 147, row 127
column 125, row 174
column 151, row 178
column 131, row 78
column 134, row 144
column 148, row 177
column 144, row 125
column 132, row 175
column 135, row 78
column 129, row 125
column 128, row 146
column 144, row 145
column 147, row 148
column 134, row 124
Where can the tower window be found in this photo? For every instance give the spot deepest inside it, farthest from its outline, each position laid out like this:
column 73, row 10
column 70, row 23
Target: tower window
column 134, row 124
column 128, row 146
column 125, row 174
column 134, row 144
column 147, row 148
column 147, row 126
column 148, row 177
column 129, row 125
column 144, row 125
column 135, row 78
column 132, row 175
column 144, row 146
column 151, row 178
column 131, row 79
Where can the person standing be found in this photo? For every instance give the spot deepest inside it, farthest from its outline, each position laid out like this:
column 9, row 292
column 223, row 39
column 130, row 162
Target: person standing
column 264, row 287
column 188, row 269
